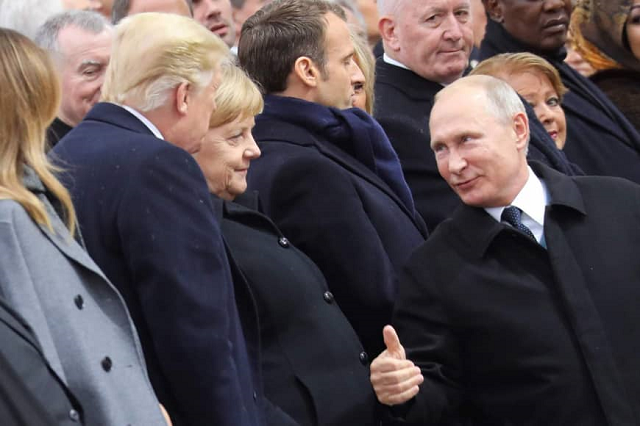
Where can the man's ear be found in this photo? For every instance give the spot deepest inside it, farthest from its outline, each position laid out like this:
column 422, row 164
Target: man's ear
column 387, row 28
column 521, row 129
column 306, row 71
column 183, row 96
column 494, row 9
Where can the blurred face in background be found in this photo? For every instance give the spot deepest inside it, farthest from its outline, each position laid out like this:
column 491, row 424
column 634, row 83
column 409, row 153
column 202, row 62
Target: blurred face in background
column 633, row 29
column 216, row 15
column 540, row 24
column 85, row 57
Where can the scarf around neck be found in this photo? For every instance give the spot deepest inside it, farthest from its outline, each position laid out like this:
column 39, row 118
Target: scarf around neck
column 351, row 130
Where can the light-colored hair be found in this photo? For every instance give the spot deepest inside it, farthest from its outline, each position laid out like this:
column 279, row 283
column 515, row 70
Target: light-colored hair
column 155, row 52
column 236, row 97
column 501, row 100
column 29, row 101
column 26, row 16
column 507, row 64
column 388, row 7
column 91, row 22
column 120, row 9
column 365, row 60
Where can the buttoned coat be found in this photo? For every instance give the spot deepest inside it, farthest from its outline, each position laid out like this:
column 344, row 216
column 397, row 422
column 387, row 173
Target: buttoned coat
column 144, row 209
column 31, row 393
column 402, row 107
column 507, row 332
column 78, row 317
column 311, row 356
column 341, row 215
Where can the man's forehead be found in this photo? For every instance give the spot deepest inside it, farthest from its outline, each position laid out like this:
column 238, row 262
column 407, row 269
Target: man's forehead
column 73, row 40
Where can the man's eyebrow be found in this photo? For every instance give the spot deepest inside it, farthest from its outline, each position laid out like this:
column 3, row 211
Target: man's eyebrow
column 89, row 62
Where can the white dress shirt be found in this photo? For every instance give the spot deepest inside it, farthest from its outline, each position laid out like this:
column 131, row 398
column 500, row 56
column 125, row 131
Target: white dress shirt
column 144, row 121
column 532, row 200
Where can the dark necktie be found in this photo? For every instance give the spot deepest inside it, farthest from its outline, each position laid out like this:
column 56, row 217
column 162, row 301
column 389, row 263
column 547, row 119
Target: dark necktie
column 513, row 216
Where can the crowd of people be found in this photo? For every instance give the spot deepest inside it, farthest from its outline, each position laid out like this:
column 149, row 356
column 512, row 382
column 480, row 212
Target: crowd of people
column 319, row 212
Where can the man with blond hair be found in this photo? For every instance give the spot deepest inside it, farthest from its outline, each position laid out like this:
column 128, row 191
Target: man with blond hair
column 144, row 210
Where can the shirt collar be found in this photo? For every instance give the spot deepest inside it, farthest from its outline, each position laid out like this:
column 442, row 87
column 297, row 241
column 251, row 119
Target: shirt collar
column 532, row 200
column 392, row 61
column 144, row 121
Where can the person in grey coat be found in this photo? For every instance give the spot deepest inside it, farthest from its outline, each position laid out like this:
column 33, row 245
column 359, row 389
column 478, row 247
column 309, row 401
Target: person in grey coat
column 77, row 316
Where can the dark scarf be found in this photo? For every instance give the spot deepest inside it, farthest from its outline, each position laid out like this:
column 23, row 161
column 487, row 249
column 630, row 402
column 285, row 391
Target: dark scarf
column 352, row 130
column 56, row 131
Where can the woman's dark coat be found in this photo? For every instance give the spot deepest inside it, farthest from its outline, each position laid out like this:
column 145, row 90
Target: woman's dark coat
column 311, row 360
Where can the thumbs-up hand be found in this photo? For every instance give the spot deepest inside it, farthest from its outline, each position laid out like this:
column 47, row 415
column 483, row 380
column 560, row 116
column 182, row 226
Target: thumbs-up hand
column 395, row 379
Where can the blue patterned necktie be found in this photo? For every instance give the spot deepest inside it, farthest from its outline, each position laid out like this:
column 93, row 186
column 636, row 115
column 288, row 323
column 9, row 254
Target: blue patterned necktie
column 513, row 216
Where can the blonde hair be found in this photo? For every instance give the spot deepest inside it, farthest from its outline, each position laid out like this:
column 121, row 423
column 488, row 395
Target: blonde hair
column 29, row 101
column 367, row 63
column 155, row 52
column 507, row 64
column 237, row 96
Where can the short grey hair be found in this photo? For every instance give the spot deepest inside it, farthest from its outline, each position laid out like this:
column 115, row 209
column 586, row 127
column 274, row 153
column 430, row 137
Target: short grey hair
column 120, row 10
column 388, row 7
column 91, row 22
column 26, row 16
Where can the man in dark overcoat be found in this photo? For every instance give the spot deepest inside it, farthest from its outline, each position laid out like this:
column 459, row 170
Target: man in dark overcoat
column 522, row 308
column 419, row 59
column 328, row 176
column 144, row 210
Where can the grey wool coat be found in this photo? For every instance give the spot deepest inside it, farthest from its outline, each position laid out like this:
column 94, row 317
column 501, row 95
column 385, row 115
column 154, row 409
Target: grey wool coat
column 77, row 315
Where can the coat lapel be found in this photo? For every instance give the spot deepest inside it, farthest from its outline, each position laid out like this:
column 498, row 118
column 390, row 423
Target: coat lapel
column 283, row 131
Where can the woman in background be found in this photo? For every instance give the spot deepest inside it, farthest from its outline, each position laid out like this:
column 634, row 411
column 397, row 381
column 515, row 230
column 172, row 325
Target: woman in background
column 77, row 316
column 538, row 82
column 607, row 35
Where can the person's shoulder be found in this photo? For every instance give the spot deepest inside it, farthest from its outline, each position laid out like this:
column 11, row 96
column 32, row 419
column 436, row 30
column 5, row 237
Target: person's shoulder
column 12, row 212
column 606, row 184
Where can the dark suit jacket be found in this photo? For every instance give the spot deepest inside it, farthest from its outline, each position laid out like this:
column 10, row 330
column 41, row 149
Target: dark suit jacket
column 310, row 354
column 403, row 104
column 508, row 333
column 31, row 393
column 145, row 213
column 341, row 215
column 599, row 138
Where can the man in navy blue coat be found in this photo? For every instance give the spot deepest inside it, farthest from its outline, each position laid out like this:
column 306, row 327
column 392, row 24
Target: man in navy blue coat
column 328, row 175
column 144, row 211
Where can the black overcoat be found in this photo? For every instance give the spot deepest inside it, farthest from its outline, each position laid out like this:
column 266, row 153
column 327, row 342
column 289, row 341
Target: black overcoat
column 145, row 213
column 508, row 333
column 341, row 215
column 403, row 103
column 310, row 354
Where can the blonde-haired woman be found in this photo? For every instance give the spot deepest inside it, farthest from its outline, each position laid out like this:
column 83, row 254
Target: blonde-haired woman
column 311, row 356
column 77, row 316
column 363, row 87
column 538, row 82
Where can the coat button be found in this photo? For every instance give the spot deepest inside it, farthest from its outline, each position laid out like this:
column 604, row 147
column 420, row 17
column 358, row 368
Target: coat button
column 328, row 297
column 364, row 358
column 283, row 242
column 255, row 396
column 74, row 415
column 79, row 301
column 106, row 364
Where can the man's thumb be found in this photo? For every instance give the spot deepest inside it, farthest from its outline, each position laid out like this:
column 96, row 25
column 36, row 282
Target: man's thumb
column 392, row 341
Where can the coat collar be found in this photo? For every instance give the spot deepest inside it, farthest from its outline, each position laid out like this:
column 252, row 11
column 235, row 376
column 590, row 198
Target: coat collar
column 474, row 230
column 59, row 236
column 277, row 130
column 406, row 81
column 115, row 115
